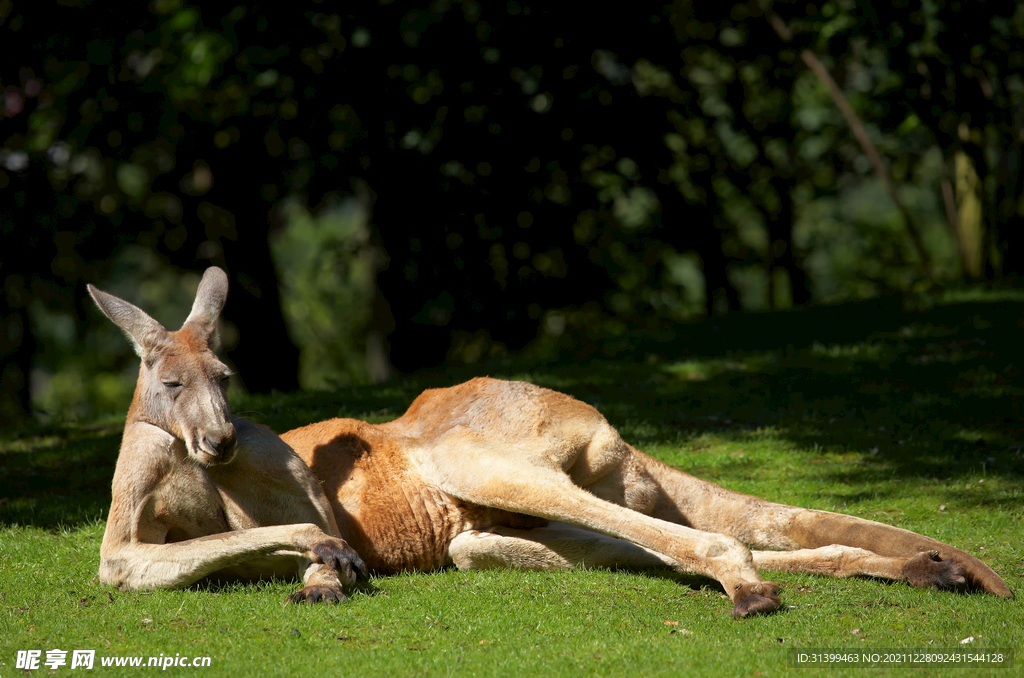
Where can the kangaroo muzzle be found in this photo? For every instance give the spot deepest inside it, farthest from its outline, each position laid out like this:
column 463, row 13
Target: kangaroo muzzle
column 218, row 446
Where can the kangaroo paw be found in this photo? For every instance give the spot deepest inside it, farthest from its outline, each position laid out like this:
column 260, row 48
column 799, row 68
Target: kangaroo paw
column 927, row 570
column 341, row 557
column 756, row 598
column 318, row 594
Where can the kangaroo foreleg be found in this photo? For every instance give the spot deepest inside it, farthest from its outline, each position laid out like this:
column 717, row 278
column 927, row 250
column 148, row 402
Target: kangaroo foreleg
column 140, row 565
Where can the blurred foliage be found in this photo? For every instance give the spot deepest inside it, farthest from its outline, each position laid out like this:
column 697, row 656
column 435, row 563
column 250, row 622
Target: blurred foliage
column 326, row 266
column 608, row 176
column 89, row 372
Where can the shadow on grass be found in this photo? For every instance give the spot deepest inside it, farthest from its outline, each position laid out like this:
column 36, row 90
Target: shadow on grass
column 363, row 587
column 57, row 477
column 933, row 393
column 917, row 394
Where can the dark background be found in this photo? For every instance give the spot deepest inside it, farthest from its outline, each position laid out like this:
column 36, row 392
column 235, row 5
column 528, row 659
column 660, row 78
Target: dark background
column 395, row 188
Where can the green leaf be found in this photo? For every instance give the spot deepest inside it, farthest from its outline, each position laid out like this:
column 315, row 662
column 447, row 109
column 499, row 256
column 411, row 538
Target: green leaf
column 186, row 18
column 132, row 179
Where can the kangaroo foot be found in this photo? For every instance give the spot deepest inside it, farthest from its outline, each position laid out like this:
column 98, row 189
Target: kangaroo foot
column 977, row 574
column 318, row 594
column 927, row 570
column 756, row 598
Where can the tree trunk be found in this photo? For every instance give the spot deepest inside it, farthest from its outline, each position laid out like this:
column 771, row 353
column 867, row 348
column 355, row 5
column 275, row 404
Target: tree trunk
column 780, row 230
column 17, row 347
column 265, row 355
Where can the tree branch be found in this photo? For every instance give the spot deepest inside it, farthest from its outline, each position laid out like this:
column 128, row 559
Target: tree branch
column 860, row 133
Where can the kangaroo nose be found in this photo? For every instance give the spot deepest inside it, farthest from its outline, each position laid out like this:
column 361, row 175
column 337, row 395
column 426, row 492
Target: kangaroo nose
column 224, row 444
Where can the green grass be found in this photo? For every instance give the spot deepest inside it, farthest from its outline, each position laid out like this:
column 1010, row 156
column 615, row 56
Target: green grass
column 909, row 418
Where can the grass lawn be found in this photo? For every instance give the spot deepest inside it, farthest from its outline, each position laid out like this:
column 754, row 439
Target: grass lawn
column 912, row 418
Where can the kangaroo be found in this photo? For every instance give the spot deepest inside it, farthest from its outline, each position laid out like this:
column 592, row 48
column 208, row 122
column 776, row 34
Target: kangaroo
column 197, row 493
column 487, row 473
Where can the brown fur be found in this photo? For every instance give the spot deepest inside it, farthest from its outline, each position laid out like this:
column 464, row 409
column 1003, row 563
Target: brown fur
column 487, row 473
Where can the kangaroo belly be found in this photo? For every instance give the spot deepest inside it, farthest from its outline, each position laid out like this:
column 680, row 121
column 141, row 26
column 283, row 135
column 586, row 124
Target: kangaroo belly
column 412, row 526
column 395, row 518
column 399, row 524
column 384, row 509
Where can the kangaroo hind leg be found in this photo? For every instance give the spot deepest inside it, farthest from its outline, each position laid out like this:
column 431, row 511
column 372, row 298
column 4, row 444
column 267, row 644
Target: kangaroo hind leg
column 767, row 525
column 924, row 570
column 558, row 546
column 472, row 472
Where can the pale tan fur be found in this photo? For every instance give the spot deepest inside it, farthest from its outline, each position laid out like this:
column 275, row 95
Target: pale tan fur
column 487, row 473
column 197, row 493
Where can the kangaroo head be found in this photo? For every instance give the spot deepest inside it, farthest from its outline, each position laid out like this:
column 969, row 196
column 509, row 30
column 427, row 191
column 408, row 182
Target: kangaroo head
column 182, row 386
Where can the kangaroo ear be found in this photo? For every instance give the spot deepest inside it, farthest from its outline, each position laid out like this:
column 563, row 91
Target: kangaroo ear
column 144, row 332
column 210, row 298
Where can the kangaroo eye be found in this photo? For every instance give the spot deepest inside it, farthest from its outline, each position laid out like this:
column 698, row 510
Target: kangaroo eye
column 172, row 384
